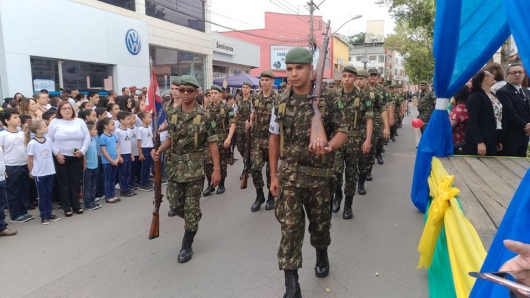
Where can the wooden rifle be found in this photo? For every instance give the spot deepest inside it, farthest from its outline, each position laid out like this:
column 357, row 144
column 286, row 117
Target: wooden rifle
column 317, row 128
column 154, row 231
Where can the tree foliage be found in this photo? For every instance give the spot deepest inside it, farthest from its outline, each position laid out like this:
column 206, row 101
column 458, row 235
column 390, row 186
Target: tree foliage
column 357, row 38
column 414, row 35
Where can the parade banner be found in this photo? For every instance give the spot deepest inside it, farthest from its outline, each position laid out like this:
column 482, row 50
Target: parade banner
column 277, row 61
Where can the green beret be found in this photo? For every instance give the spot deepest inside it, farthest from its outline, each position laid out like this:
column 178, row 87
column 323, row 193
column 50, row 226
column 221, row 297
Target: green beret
column 268, row 73
column 373, row 70
column 215, row 87
column 247, row 83
column 363, row 73
column 299, row 56
column 350, row 69
column 423, row 83
column 175, row 82
column 187, row 80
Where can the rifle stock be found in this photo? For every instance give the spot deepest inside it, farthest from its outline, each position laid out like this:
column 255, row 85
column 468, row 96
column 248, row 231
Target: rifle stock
column 317, row 128
column 154, row 231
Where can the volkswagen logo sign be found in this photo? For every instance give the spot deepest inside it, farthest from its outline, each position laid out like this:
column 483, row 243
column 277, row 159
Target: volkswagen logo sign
column 133, row 42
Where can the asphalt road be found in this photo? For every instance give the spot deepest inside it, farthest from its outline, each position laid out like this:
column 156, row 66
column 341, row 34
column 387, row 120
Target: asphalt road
column 106, row 253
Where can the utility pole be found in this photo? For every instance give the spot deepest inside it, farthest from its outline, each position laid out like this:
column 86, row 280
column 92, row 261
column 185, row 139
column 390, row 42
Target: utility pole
column 312, row 7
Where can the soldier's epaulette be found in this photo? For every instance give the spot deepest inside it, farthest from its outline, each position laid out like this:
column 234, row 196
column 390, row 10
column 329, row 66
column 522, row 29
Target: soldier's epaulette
column 201, row 110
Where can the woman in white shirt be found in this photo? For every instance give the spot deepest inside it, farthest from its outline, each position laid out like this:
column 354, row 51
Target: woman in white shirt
column 70, row 135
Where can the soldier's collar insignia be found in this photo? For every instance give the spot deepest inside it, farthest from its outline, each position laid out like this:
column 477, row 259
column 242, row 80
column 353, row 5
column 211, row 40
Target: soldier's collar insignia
column 339, row 104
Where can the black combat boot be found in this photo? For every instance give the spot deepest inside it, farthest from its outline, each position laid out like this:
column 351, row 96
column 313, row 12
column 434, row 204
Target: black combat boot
column 322, row 265
column 270, row 202
column 221, row 189
column 186, row 252
column 379, row 156
column 209, row 189
column 172, row 212
column 360, row 187
column 292, row 287
column 337, row 199
column 392, row 137
column 260, row 199
column 369, row 176
column 348, row 212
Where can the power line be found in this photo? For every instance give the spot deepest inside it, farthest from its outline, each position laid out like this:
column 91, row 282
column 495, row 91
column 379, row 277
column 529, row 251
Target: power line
column 295, row 8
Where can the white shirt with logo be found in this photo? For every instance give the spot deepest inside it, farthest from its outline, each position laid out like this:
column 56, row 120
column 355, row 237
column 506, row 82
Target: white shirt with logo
column 145, row 134
column 133, row 132
column 14, row 148
column 42, row 153
column 124, row 140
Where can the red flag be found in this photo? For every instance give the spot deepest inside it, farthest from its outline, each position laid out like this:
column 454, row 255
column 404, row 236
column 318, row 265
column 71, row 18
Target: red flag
column 154, row 104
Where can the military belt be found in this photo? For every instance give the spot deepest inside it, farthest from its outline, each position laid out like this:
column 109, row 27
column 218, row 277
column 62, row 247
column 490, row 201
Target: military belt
column 316, row 172
column 190, row 156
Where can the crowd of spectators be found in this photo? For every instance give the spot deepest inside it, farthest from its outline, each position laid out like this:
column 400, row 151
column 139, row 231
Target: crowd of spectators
column 72, row 151
column 490, row 116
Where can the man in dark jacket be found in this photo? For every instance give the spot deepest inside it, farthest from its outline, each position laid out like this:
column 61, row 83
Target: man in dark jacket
column 516, row 109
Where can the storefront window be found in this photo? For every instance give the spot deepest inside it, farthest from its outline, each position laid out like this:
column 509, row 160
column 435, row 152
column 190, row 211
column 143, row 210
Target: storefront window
column 187, row 13
column 170, row 64
column 76, row 75
column 127, row 4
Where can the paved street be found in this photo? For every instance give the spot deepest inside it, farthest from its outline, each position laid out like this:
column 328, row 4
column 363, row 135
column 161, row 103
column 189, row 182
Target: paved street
column 106, row 253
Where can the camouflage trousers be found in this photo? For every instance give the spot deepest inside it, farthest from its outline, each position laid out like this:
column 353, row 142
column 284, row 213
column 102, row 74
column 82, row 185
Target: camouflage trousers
column 350, row 154
column 377, row 139
column 289, row 210
column 241, row 143
column 208, row 164
column 259, row 156
column 185, row 199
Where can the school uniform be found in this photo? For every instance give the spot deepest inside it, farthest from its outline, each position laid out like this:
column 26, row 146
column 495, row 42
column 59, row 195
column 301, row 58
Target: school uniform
column 145, row 135
column 125, row 142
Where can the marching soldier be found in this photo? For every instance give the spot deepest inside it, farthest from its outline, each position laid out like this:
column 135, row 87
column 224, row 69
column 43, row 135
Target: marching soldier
column 381, row 103
column 244, row 108
column 171, row 109
column 260, row 119
column 358, row 111
column 223, row 120
column 190, row 130
column 426, row 104
column 304, row 178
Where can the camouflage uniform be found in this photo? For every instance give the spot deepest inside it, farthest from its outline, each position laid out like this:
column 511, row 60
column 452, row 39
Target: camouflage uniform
column 379, row 106
column 222, row 116
column 185, row 171
column 397, row 101
column 304, row 177
column 358, row 107
column 244, row 108
column 426, row 105
column 260, row 138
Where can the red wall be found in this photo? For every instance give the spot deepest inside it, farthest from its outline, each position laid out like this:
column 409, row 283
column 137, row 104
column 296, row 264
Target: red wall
column 287, row 30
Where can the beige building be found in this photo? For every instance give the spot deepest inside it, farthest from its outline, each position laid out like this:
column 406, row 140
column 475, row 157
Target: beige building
column 375, row 31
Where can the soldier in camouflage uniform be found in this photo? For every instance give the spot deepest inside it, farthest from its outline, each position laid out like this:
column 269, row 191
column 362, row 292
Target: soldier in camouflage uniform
column 394, row 91
column 244, row 108
column 381, row 102
column 358, row 111
column 223, row 121
column 261, row 118
column 303, row 179
column 171, row 108
column 426, row 104
column 189, row 131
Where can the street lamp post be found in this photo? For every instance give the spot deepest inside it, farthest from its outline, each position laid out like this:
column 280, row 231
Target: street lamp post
column 354, row 18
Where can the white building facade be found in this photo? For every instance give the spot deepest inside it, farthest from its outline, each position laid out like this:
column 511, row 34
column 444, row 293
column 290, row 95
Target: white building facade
column 102, row 44
column 232, row 56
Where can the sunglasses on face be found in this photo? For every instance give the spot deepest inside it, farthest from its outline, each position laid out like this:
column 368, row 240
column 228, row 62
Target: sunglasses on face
column 186, row 90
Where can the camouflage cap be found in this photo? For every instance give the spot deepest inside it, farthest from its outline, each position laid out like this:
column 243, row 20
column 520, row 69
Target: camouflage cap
column 268, row 73
column 299, row 56
column 373, row 70
column 215, row 87
column 363, row 73
column 247, row 83
column 188, row 80
column 350, row 69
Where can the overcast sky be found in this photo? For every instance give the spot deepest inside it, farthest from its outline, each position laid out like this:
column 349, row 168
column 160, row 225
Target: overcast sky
column 249, row 14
